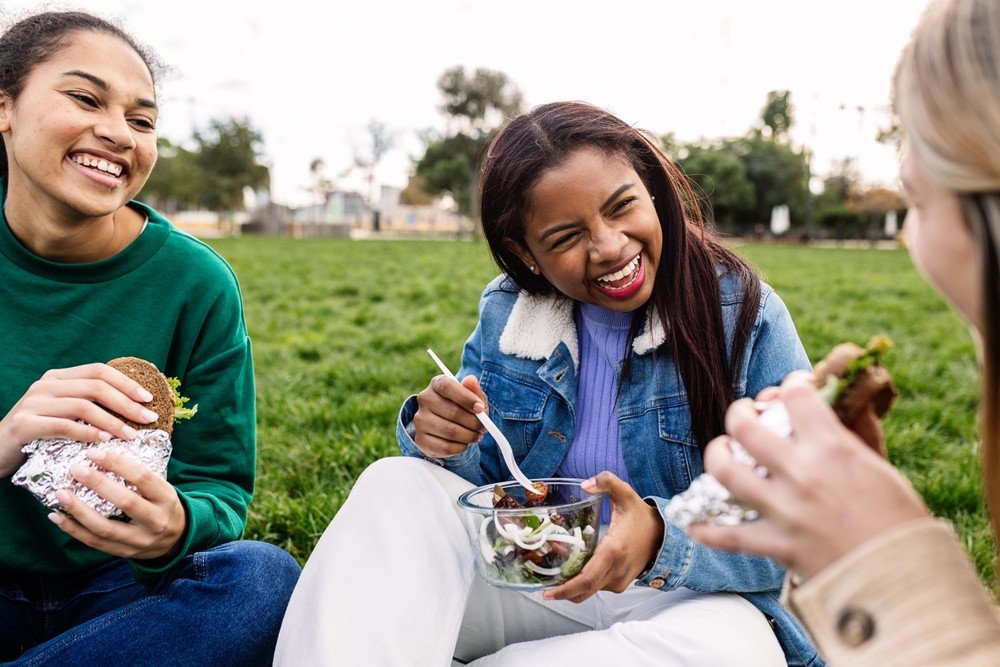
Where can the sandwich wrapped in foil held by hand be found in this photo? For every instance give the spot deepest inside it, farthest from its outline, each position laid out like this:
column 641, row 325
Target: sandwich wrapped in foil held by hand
column 47, row 469
column 852, row 379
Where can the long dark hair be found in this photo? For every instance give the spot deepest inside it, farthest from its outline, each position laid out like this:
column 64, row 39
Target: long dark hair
column 686, row 288
column 34, row 40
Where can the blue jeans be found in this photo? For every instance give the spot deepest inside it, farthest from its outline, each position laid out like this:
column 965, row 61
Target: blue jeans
column 218, row 607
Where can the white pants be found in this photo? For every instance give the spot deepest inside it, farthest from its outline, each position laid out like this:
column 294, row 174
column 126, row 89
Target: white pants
column 391, row 583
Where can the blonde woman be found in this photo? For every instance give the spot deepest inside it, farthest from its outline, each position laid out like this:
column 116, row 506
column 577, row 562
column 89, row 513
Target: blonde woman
column 878, row 580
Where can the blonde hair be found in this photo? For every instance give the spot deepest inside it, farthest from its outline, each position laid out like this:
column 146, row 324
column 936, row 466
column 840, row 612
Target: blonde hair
column 947, row 95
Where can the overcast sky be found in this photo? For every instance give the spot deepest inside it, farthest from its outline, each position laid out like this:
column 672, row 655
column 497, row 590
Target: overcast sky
column 311, row 74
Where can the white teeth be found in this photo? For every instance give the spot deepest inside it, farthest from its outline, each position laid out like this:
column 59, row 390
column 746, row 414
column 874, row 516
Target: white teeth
column 102, row 165
column 625, row 271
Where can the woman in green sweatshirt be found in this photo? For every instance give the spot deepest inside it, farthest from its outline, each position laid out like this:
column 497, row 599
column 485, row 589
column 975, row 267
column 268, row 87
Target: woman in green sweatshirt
column 87, row 275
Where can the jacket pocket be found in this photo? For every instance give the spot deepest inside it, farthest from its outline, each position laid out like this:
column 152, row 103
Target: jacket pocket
column 517, row 408
column 682, row 456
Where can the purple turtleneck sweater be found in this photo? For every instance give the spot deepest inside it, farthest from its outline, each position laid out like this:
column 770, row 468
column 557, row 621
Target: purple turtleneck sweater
column 597, row 444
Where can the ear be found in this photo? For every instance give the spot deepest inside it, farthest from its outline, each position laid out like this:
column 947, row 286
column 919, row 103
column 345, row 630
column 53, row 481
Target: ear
column 522, row 254
column 6, row 107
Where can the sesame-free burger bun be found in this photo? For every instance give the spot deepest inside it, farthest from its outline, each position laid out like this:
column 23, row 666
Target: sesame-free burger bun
column 155, row 383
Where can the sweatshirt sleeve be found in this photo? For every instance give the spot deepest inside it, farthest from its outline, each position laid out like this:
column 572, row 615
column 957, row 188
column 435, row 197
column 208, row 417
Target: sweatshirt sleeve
column 213, row 462
column 906, row 597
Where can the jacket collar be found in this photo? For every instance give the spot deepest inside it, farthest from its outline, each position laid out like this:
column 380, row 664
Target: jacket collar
column 537, row 324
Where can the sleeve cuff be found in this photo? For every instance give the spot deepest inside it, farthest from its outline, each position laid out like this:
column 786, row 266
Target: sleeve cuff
column 404, row 437
column 908, row 596
column 670, row 566
column 200, row 533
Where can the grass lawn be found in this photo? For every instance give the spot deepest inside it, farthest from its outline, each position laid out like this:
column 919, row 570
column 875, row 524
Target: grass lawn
column 339, row 330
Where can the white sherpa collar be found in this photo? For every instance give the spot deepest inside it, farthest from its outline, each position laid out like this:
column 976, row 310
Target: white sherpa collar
column 537, row 324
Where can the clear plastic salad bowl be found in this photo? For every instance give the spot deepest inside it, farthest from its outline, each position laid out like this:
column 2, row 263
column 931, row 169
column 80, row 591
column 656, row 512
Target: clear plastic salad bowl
column 536, row 546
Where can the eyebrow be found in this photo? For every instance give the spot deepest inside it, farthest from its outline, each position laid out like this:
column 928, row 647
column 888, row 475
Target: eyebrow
column 569, row 225
column 103, row 85
column 616, row 194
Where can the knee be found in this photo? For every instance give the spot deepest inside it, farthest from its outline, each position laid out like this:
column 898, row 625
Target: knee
column 391, row 476
column 264, row 573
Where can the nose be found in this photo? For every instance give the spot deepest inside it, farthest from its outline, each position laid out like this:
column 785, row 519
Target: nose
column 114, row 129
column 606, row 243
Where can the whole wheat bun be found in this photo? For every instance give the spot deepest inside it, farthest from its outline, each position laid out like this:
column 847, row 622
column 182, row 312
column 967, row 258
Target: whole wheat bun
column 155, row 383
column 872, row 386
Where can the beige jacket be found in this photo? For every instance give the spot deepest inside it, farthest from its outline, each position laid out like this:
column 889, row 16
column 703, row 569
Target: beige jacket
column 908, row 597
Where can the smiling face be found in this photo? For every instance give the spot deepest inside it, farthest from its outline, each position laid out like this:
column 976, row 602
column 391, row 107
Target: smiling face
column 81, row 137
column 940, row 242
column 592, row 231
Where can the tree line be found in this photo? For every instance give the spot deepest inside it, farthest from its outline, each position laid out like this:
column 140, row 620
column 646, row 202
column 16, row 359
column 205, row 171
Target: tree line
column 738, row 179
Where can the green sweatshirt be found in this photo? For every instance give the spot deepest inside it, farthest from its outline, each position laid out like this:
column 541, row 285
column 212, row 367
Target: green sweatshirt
column 169, row 299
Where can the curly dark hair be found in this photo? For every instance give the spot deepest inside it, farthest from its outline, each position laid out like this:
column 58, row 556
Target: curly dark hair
column 686, row 286
column 33, row 40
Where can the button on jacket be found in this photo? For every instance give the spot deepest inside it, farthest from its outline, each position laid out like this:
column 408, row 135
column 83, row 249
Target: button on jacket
column 525, row 352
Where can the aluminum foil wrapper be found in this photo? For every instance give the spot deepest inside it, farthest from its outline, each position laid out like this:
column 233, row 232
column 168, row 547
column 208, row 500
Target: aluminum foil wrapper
column 47, row 469
column 707, row 501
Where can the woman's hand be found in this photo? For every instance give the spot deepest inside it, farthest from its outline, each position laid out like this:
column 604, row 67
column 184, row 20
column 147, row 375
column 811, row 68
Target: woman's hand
column 158, row 520
column 446, row 421
column 632, row 541
column 825, row 495
column 52, row 405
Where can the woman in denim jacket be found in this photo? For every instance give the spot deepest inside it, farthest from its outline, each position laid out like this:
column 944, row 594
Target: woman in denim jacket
column 609, row 350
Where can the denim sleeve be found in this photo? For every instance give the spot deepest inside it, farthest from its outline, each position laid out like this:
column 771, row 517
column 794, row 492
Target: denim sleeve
column 775, row 349
column 466, row 464
column 682, row 562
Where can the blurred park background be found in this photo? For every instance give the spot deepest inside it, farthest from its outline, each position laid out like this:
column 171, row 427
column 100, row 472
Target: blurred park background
column 329, row 152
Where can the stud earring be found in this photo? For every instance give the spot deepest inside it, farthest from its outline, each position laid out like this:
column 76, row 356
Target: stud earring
column 532, row 268
column 653, row 197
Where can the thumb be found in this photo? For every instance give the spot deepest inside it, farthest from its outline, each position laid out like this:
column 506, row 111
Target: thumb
column 605, row 482
column 471, row 382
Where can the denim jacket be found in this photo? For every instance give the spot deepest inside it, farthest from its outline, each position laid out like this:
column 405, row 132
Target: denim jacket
column 525, row 353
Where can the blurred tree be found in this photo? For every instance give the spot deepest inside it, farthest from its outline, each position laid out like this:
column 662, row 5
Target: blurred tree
column 415, row 194
column 322, row 184
column 476, row 107
column 832, row 210
column 479, row 103
column 174, row 182
column 778, row 171
column 367, row 158
column 745, row 177
column 228, row 158
column 777, row 114
column 721, row 177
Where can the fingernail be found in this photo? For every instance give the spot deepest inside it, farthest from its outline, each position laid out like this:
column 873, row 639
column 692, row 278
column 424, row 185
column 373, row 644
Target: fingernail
column 95, row 454
column 478, row 407
column 548, row 596
column 104, row 436
column 80, row 471
column 65, row 498
column 149, row 415
column 129, row 432
column 56, row 518
column 480, row 438
column 588, row 483
column 144, row 396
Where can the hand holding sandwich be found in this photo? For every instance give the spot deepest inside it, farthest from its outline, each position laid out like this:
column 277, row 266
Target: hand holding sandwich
column 157, row 516
column 52, row 405
column 109, row 402
column 826, row 494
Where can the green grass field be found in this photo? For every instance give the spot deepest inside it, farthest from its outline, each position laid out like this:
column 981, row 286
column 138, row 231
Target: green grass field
column 339, row 330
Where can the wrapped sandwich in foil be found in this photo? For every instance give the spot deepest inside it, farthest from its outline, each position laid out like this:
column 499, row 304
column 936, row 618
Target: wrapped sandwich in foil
column 851, row 378
column 47, row 469
column 706, row 500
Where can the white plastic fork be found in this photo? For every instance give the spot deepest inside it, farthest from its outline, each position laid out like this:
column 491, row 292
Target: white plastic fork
column 502, row 443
